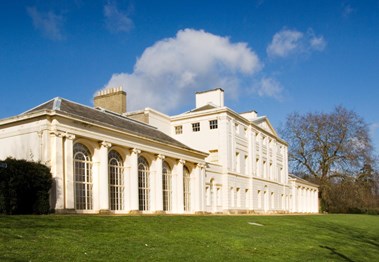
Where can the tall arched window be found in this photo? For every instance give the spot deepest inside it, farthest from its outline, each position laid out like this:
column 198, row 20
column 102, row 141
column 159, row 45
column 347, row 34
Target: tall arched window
column 143, row 183
column 186, row 189
column 116, row 180
column 83, row 177
column 166, row 186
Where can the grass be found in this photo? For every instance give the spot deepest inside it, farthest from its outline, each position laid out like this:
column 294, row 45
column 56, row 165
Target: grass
column 189, row 238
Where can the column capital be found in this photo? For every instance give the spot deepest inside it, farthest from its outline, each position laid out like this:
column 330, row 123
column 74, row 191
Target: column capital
column 57, row 133
column 160, row 156
column 201, row 165
column 181, row 161
column 105, row 144
column 135, row 151
column 69, row 136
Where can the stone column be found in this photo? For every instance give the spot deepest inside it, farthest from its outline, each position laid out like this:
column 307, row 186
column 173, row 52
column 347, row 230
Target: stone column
column 202, row 174
column 224, row 142
column 316, row 201
column 252, row 169
column 302, row 199
column 214, row 195
column 298, row 201
column 133, row 182
column 179, row 189
column 104, row 178
column 309, row 201
column 275, row 169
column 233, row 146
column 199, row 188
column 157, row 188
column 261, row 169
column 285, row 164
column 57, row 170
column 266, row 199
column 69, row 172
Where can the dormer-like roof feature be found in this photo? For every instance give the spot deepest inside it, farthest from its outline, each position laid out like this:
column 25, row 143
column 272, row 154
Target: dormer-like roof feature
column 265, row 124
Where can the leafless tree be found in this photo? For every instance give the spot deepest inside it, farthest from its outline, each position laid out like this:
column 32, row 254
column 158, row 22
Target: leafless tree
column 326, row 146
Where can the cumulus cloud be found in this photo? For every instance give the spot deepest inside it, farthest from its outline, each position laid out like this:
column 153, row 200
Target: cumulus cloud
column 269, row 87
column 289, row 42
column 284, row 43
column 48, row 23
column 169, row 72
column 116, row 20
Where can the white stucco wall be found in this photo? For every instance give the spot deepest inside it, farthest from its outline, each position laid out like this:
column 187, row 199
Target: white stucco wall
column 24, row 141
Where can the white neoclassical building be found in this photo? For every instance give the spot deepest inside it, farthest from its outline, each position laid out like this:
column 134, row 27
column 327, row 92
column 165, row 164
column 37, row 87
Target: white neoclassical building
column 210, row 159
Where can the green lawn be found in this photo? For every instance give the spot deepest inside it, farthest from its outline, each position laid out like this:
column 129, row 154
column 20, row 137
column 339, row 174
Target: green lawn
column 189, row 238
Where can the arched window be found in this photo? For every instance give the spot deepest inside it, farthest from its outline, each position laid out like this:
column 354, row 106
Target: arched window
column 143, row 183
column 83, row 177
column 116, row 180
column 186, row 189
column 166, row 186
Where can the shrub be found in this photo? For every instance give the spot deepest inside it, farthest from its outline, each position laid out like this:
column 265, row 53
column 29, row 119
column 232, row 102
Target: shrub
column 24, row 187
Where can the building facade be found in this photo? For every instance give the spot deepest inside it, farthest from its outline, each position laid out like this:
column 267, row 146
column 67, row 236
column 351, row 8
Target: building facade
column 247, row 163
column 209, row 159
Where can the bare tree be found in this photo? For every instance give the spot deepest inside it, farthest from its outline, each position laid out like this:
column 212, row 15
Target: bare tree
column 326, row 146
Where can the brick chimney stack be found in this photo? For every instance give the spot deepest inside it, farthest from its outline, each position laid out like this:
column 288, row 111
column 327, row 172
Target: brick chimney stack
column 112, row 99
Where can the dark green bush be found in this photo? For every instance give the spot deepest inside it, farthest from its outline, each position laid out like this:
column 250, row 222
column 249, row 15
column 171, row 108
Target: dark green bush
column 24, row 187
column 373, row 211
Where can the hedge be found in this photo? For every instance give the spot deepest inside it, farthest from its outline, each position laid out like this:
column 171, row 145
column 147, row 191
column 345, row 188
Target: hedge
column 24, row 187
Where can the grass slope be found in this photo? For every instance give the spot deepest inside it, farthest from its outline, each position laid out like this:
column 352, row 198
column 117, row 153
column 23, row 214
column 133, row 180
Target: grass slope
column 190, row 238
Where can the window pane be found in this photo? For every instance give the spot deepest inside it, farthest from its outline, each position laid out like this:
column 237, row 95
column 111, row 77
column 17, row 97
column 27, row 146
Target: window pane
column 116, row 180
column 186, row 189
column 179, row 130
column 83, row 177
column 143, row 183
column 213, row 124
column 166, row 187
column 196, row 127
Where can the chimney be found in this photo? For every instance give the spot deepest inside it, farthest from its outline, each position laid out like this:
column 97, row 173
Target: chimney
column 215, row 97
column 112, row 99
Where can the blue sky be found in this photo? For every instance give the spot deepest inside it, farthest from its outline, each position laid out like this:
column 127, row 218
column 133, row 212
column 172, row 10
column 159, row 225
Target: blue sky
column 275, row 57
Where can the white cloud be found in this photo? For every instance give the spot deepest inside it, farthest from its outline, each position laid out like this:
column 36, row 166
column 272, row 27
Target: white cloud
column 116, row 20
column 50, row 24
column 284, row 43
column 289, row 42
column 317, row 43
column 169, row 72
column 269, row 87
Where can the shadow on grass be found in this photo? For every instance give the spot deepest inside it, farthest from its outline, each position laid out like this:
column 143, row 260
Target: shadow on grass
column 11, row 259
column 355, row 234
column 334, row 252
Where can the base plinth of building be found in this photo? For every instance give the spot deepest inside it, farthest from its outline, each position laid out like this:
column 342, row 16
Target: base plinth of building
column 65, row 211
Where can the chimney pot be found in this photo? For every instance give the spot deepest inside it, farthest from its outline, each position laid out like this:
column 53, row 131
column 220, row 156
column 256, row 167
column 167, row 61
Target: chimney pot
column 112, row 99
